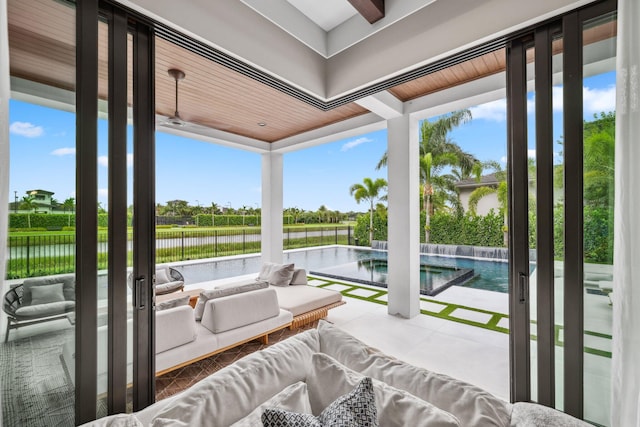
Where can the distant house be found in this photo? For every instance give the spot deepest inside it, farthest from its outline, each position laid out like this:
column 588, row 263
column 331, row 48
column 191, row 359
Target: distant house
column 467, row 186
column 43, row 200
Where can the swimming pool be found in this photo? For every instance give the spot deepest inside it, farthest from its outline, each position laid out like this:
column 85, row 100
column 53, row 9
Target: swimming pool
column 349, row 262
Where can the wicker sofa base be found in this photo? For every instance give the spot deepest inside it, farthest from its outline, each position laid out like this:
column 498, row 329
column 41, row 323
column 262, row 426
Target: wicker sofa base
column 313, row 315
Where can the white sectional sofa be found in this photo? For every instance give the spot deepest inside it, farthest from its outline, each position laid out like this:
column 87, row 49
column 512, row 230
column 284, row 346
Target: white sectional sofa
column 306, row 372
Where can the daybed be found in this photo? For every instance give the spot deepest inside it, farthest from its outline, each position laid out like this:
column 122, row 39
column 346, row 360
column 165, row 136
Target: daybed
column 307, row 372
column 306, row 303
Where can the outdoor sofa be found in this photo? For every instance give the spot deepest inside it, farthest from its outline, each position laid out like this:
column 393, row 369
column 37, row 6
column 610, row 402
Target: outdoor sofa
column 307, row 372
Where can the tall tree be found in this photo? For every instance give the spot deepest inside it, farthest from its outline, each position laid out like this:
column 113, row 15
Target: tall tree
column 370, row 191
column 28, row 203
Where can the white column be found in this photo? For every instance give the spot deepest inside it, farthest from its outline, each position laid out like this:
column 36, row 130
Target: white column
column 5, row 93
column 272, row 233
column 404, row 217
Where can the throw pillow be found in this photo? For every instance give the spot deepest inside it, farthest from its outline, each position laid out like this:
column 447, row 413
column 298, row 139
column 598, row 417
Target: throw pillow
column 356, row 408
column 299, row 277
column 293, row 398
column 163, row 276
column 172, row 303
column 225, row 292
column 47, row 293
column 281, row 276
column 265, row 270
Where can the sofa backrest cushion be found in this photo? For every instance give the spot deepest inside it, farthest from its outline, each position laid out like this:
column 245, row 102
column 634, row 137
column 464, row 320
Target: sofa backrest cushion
column 472, row 405
column 234, row 391
column 328, row 379
column 225, row 291
column 68, row 286
column 294, row 398
column 174, row 327
column 172, row 303
column 231, row 312
column 299, row 277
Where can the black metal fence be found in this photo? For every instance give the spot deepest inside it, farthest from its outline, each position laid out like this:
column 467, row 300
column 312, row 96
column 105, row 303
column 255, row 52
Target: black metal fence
column 39, row 255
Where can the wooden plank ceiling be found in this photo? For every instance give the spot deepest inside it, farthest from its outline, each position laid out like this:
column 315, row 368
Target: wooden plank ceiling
column 42, row 49
column 485, row 65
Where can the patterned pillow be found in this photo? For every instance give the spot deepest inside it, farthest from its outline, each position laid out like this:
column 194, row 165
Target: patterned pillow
column 356, row 408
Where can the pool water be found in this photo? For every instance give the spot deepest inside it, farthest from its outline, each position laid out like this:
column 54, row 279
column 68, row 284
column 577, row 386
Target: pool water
column 359, row 263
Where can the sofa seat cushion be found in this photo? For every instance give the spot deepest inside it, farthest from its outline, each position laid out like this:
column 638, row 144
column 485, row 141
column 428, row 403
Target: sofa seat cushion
column 293, row 398
column 302, row 299
column 226, row 313
column 234, row 391
column 472, row 405
column 43, row 310
column 328, row 379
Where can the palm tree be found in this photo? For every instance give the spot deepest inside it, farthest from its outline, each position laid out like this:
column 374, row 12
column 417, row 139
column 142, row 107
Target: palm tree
column 28, row 203
column 430, row 167
column 433, row 139
column 369, row 191
column 69, row 205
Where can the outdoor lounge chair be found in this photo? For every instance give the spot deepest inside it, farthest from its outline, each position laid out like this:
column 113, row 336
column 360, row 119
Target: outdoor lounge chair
column 39, row 300
column 168, row 280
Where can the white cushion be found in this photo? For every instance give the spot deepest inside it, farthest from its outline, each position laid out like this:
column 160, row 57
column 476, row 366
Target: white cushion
column 163, row 276
column 172, row 303
column 226, row 290
column 265, row 270
column 328, row 379
column 174, row 327
column 233, row 392
column 302, row 299
column 294, row 398
column 299, row 277
column 230, row 312
column 281, row 275
column 472, row 405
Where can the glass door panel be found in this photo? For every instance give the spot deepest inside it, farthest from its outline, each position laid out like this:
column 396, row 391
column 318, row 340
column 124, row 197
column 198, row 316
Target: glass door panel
column 37, row 349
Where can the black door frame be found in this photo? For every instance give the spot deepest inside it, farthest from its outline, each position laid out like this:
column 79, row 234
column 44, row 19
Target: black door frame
column 121, row 24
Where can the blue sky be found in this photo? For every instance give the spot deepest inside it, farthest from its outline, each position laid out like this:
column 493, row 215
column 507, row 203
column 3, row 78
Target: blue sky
column 43, row 157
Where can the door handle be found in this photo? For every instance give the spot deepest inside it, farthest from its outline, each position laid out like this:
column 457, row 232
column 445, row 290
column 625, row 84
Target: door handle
column 140, row 294
column 523, row 287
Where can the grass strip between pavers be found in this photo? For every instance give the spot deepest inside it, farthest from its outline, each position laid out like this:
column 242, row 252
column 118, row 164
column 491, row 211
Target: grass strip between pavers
column 450, row 308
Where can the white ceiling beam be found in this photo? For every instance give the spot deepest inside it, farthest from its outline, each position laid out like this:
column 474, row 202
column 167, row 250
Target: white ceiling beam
column 383, row 104
column 345, row 129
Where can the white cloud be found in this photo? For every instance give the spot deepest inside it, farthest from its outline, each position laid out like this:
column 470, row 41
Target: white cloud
column 352, row 144
column 599, row 100
column 494, row 111
column 103, row 193
column 26, row 129
column 531, row 153
column 104, row 160
column 503, row 159
column 65, row 151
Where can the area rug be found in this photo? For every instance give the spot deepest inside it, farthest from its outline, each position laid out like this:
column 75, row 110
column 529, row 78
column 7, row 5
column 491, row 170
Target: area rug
column 35, row 390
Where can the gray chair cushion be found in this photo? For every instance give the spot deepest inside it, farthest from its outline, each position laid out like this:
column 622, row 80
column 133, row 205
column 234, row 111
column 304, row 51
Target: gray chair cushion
column 44, row 310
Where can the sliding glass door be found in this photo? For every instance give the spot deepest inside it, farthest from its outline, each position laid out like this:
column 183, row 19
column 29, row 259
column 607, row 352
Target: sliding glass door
column 562, row 114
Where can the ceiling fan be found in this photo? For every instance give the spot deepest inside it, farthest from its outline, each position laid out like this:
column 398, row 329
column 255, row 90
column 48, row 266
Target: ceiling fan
column 175, row 121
